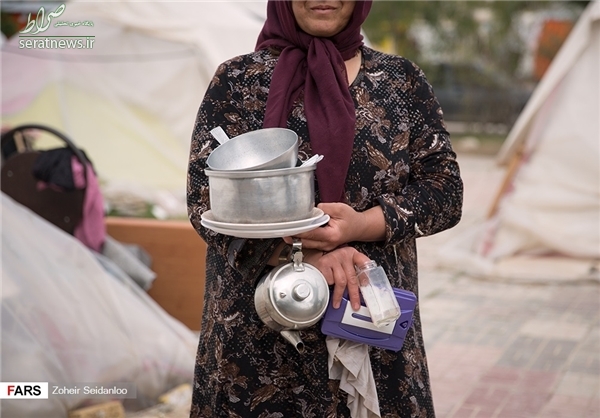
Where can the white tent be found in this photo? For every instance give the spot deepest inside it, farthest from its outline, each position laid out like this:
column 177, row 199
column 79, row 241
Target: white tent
column 549, row 204
column 131, row 99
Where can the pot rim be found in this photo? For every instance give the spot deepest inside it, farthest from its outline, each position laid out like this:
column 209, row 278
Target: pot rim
column 242, row 174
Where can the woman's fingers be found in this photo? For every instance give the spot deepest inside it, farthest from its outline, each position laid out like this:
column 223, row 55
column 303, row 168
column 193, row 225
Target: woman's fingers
column 339, row 278
column 318, row 238
column 336, row 232
column 338, row 269
column 352, row 285
column 334, row 210
column 358, row 258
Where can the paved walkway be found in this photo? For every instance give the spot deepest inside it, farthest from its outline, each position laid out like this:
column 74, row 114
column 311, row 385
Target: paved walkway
column 505, row 349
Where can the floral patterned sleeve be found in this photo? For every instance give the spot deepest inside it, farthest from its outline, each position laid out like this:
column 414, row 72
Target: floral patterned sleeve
column 223, row 105
column 431, row 201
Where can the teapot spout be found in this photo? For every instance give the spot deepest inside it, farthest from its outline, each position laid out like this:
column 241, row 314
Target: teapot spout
column 294, row 338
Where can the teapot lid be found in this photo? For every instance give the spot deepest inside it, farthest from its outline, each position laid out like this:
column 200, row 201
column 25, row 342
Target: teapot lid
column 299, row 296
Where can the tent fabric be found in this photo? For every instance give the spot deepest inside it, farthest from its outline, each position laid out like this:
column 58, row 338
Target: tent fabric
column 130, row 101
column 553, row 203
column 549, row 214
column 573, row 48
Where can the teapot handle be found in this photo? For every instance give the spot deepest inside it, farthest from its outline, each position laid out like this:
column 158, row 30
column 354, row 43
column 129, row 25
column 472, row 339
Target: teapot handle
column 297, row 254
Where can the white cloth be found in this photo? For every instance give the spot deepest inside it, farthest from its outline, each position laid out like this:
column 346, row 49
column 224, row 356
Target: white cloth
column 349, row 362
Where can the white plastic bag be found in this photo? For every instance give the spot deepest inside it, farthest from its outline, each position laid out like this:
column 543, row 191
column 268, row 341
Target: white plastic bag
column 66, row 320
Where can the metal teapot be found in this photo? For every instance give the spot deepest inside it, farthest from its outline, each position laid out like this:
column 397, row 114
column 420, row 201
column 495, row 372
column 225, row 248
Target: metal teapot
column 291, row 297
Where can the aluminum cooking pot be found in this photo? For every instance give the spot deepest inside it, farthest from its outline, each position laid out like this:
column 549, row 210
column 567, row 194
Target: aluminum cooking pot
column 263, row 196
column 268, row 148
column 291, row 297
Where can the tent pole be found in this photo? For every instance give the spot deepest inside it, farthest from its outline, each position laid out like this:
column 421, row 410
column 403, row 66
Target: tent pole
column 515, row 162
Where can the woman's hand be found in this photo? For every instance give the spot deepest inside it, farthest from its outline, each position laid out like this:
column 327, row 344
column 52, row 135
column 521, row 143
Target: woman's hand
column 337, row 264
column 337, row 267
column 345, row 225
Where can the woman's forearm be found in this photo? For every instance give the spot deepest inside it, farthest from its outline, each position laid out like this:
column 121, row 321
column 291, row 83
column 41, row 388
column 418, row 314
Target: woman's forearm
column 372, row 226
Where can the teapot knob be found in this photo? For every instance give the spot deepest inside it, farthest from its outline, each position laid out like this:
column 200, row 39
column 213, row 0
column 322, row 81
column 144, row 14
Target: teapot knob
column 301, row 291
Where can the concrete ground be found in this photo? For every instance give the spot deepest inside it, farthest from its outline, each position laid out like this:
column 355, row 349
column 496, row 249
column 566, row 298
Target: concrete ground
column 503, row 348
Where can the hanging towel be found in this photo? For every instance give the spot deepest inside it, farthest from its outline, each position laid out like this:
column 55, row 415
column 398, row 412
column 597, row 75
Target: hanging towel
column 349, row 362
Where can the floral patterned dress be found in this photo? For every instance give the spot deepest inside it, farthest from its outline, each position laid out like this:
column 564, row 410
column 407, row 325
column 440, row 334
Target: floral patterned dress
column 402, row 160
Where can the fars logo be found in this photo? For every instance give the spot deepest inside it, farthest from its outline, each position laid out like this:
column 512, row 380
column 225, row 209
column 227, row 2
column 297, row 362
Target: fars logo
column 23, row 390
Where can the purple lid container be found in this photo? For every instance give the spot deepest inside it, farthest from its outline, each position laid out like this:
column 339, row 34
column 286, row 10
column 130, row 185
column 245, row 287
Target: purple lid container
column 357, row 326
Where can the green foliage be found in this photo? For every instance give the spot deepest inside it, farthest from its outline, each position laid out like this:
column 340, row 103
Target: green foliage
column 482, row 31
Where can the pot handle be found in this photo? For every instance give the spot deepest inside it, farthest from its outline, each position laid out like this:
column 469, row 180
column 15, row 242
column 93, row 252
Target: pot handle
column 297, row 255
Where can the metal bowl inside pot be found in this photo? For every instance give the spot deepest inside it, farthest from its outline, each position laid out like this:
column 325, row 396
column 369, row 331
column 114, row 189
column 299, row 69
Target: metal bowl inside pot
column 262, row 196
column 268, row 148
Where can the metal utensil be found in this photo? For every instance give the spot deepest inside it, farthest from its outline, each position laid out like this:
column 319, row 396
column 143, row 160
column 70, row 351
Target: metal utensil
column 262, row 196
column 268, row 148
column 312, row 160
column 291, row 297
column 219, row 134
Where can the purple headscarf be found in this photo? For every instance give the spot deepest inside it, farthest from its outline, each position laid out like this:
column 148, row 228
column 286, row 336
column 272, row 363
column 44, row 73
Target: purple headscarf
column 315, row 65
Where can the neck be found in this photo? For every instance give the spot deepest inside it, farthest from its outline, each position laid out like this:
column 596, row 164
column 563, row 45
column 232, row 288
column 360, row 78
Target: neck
column 353, row 67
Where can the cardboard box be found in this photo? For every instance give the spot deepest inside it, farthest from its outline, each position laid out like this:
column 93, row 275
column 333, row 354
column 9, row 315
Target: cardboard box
column 178, row 259
column 112, row 409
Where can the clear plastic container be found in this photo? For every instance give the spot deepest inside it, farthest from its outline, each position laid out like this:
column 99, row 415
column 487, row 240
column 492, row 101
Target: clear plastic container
column 378, row 294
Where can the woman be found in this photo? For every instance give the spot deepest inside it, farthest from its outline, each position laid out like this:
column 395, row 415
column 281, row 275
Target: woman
column 389, row 175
